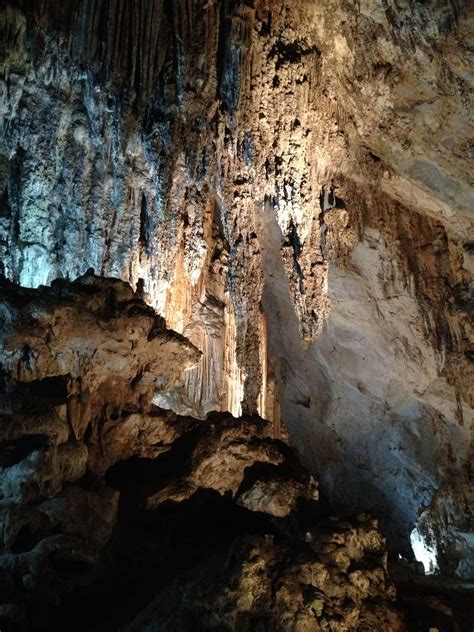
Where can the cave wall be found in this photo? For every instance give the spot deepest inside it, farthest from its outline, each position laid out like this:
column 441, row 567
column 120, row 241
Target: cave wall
column 152, row 519
column 289, row 184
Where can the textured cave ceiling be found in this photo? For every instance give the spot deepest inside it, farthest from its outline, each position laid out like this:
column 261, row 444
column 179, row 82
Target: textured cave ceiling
column 289, row 184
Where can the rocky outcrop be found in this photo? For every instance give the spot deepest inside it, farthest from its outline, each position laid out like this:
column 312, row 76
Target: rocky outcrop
column 333, row 585
column 103, row 491
column 289, row 184
column 73, row 357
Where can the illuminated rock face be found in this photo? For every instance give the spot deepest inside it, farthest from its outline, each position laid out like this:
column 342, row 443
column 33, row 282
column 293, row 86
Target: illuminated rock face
column 290, row 187
column 99, row 487
column 260, row 589
column 73, row 358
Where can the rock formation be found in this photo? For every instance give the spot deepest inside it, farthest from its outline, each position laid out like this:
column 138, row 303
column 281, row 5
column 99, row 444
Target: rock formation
column 289, row 185
column 74, row 357
column 87, row 460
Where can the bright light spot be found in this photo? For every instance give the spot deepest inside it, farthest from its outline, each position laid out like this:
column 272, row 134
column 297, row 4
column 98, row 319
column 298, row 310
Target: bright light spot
column 37, row 268
column 424, row 552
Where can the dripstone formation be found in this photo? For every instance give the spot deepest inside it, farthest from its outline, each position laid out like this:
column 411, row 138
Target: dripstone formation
column 289, row 185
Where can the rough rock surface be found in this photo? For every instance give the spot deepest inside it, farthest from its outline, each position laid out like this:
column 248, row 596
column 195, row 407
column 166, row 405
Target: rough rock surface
column 335, row 584
column 101, row 490
column 73, row 358
column 290, row 185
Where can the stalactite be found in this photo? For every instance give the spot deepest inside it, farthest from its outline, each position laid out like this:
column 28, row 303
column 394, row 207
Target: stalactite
column 183, row 146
